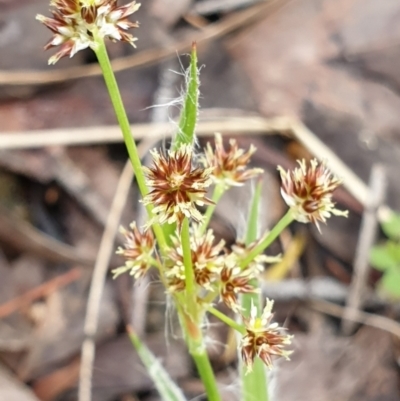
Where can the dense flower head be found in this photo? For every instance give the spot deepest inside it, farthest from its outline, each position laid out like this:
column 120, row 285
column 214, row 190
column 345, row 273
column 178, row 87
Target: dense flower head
column 207, row 261
column 308, row 189
column 229, row 166
column 234, row 281
column 137, row 251
column 176, row 186
column 263, row 338
column 76, row 24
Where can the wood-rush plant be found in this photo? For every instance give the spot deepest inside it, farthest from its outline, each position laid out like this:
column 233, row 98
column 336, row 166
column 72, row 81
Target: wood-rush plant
column 197, row 272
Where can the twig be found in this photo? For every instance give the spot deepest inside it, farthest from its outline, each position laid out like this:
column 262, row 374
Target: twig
column 292, row 289
column 74, row 180
column 111, row 134
column 99, row 277
column 244, row 125
column 40, row 291
column 21, row 235
column 366, row 239
column 369, row 319
column 206, row 7
column 248, row 125
column 145, row 57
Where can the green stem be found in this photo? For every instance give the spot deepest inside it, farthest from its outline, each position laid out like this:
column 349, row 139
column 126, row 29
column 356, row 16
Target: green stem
column 255, row 383
column 227, row 320
column 219, row 190
column 194, row 339
column 207, row 376
column 187, row 259
column 247, row 300
column 116, row 100
column 271, row 237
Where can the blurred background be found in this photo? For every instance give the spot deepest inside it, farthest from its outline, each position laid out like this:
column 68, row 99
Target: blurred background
column 298, row 79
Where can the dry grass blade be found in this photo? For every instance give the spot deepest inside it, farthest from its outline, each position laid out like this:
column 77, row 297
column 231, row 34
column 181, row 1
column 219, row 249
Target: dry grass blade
column 106, row 249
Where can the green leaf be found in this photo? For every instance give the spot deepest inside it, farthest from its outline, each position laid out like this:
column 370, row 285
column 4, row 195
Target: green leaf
column 168, row 230
column 380, row 258
column 187, row 122
column 386, row 256
column 167, row 389
column 391, row 226
column 389, row 284
column 188, row 117
column 254, row 215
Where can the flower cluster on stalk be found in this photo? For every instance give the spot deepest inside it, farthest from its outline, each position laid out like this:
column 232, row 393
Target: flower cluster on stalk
column 79, row 24
column 308, row 189
column 138, row 252
column 176, row 186
column 229, row 166
column 207, row 261
column 263, row 338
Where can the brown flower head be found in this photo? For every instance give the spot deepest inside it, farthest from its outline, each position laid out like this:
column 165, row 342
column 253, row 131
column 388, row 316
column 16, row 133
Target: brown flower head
column 229, row 167
column 207, row 261
column 176, row 186
column 263, row 338
column 234, row 281
column 138, row 250
column 307, row 190
column 78, row 24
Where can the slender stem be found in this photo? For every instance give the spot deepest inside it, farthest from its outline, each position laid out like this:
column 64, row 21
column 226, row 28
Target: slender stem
column 272, row 235
column 116, row 100
column 219, row 190
column 255, row 383
column 195, row 342
column 112, row 86
column 247, row 300
column 227, row 320
column 207, row 375
column 187, row 258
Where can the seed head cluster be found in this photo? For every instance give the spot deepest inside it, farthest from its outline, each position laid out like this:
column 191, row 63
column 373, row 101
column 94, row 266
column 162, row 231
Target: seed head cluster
column 138, row 252
column 308, row 189
column 78, row 24
column 263, row 338
column 229, row 166
column 177, row 186
column 207, row 261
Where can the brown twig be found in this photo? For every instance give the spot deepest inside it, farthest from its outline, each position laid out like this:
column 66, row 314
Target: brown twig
column 365, row 241
column 40, row 291
column 242, row 124
column 369, row 319
column 145, row 57
column 112, row 134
